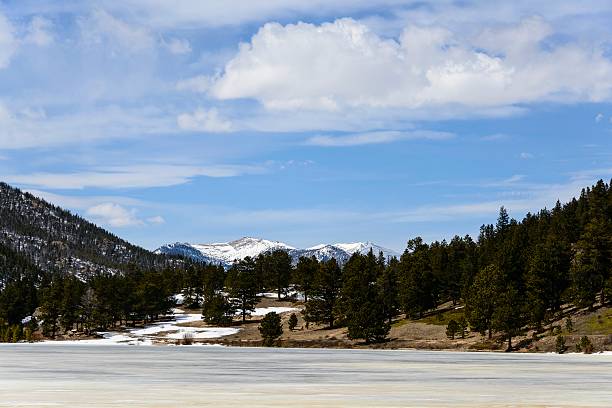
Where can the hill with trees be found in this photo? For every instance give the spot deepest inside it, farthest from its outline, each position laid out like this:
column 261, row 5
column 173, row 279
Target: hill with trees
column 515, row 277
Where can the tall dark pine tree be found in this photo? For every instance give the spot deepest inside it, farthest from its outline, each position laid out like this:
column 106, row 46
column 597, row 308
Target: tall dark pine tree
column 509, row 316
column 417, row 288
column 242, row 286
column 321, row 308
column 388, row 288
column 361, row 302
column 280, row 271
column 480, row 308
column 305, row 272
column 590, row 268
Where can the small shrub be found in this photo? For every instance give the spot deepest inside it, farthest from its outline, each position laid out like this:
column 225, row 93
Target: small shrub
column 560, row 347
column 584, row 345
column 556, row 330
column 28, row 334
column 187, row 339
column 452, row 329
column 16, row 334
column 293, row 321
column 463, row 325
column 270, row 328
column 569, row 325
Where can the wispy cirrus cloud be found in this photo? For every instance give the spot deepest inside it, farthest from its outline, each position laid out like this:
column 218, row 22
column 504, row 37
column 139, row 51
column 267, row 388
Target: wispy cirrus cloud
column 135, row 176
column 380, row 137
column 204, row 120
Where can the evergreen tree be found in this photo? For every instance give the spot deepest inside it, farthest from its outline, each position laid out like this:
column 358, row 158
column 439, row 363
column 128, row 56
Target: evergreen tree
column 217, row 310
column 591, row 263
column 452, row 328
column 482, row 301
column 463, row 325
column 242, row 286
column 50, row 307
column 508, row 316
column 417, row 290
column 321, row 307
column 280, row 271
column 361, row 304
column 388, row 287
column 270, row 328
column 293, row 321
column 305, row 273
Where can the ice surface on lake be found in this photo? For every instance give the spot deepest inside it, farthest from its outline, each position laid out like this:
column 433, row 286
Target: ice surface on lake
column 107, row 376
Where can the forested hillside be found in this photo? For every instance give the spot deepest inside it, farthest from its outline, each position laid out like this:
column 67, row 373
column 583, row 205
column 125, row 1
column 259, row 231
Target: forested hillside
column 514, row 277
column 55, row 239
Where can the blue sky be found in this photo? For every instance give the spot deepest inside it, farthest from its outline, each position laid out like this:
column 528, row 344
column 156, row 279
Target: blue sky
column 306, row 122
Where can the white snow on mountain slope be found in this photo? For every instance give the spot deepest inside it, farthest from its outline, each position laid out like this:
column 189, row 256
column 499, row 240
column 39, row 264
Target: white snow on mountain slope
column 364, row 248
column 227, row 253
column 240, row 249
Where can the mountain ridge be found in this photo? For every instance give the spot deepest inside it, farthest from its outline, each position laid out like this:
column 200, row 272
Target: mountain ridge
column 226, row 253
column 54, row 239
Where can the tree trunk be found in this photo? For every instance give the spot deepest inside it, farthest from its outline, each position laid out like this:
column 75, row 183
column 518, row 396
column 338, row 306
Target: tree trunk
column 490, row 333
column 509, row 343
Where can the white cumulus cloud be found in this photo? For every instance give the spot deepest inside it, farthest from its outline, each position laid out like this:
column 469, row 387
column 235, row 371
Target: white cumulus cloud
column 343, row 65
column 114, row 215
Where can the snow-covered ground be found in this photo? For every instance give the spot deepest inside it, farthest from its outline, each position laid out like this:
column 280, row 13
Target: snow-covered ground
column 262, row 311
column 165, row 330
column 170, row 330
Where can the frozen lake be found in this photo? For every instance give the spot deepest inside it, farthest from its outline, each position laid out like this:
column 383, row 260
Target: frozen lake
column 137, row 376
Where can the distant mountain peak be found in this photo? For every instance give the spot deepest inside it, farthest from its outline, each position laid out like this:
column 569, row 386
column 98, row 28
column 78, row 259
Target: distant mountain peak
column 226, row 253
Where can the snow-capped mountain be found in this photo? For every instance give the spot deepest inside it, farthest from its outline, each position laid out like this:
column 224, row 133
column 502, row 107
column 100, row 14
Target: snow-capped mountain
column 227, row 253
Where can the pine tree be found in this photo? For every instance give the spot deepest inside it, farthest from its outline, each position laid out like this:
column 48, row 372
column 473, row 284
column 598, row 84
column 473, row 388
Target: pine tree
column 217, row 310
column 305, row 273
column 280, row 271
column 508, row 316
column 463, row 325
column 482, row 301
column 321, row 307
column 417, row 290
column 452, row 328
column 270, row 328
column 51, row 307
column 591, row 263
column 293, row 321
column 361, row 303
column 242, row 286
column 388, row 287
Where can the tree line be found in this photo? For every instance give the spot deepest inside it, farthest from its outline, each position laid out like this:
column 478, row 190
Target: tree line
column 515, row 275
